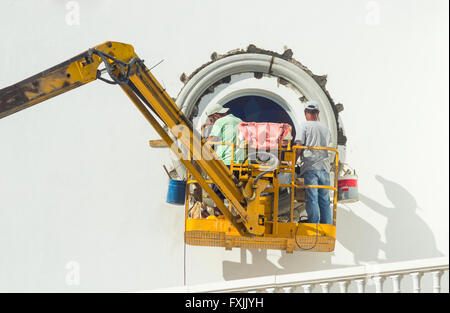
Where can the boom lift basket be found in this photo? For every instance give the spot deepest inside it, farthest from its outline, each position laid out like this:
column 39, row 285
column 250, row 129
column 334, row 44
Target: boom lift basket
column 250, row 191
column 216, row 231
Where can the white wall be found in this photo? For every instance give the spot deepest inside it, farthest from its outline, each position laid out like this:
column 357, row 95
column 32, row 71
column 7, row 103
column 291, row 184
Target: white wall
column 79, row 185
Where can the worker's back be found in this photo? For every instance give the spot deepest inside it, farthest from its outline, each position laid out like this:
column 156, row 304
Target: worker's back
column 314, row 134
column 226, row 129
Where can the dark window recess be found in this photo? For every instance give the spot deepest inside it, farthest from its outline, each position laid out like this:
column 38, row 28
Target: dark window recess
column 259, row 109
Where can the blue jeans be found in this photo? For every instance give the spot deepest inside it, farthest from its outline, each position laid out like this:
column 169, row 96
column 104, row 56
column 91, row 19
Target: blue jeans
column 318, row 200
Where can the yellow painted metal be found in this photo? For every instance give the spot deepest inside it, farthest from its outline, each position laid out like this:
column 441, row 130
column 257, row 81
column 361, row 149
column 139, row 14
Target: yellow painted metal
column 61, row 78
column 198, row 150
column 146, row 93
column 290, row 236
column 256, row 207
column 218, row 232
column 248, row 222
column 143, row 86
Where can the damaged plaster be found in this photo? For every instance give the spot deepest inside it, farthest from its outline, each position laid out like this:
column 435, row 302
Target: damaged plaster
column 287, row 55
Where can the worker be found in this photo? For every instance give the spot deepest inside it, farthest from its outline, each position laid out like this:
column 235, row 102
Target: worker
column 316, row 167
column 224, row 130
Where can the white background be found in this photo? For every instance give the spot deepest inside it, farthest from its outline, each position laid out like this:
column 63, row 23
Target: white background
column 82, row 195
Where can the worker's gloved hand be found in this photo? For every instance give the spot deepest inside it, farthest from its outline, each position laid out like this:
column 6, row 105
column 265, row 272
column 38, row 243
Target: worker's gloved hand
column 205, row 213
column 217, row 212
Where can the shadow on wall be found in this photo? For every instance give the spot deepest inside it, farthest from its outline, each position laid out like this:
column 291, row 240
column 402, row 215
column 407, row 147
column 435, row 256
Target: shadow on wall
column 289, row 263
column 407, row 238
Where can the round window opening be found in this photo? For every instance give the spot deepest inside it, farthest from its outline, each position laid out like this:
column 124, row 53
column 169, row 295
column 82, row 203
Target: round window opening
column 259, row 109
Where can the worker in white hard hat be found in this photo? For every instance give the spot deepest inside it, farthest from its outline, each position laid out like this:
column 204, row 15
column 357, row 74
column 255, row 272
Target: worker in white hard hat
column 224, row 129
column 315, row 166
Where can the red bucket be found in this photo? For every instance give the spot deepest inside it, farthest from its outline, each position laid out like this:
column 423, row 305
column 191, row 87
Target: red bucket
column 348, row 189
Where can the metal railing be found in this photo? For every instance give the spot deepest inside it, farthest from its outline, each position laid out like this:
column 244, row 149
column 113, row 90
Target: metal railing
column 288, row 169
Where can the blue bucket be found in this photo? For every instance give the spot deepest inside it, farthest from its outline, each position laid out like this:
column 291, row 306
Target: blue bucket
column 177, row 192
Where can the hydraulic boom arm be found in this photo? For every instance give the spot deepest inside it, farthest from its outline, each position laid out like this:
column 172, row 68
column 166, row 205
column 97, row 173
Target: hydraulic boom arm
column 129, row 72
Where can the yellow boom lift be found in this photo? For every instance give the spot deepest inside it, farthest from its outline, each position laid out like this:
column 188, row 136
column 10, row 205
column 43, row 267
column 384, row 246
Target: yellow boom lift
column 250, row 216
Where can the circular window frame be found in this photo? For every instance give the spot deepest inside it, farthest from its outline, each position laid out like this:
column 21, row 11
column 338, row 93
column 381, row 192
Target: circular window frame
column 291, row 73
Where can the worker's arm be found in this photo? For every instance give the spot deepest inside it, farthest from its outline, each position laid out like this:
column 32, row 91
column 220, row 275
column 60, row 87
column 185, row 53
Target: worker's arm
column 298, row 155
column 300, row 141
column 206, row 129
column 216, row 131
column 211, row 139
column 298, row 152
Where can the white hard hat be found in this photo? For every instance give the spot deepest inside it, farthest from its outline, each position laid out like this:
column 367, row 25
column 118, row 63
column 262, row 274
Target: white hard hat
column 215, row 108
column 312, row 105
